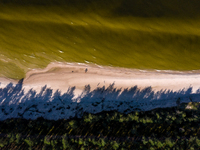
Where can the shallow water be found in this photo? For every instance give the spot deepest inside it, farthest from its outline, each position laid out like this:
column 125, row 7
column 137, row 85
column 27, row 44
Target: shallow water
column 34, row 33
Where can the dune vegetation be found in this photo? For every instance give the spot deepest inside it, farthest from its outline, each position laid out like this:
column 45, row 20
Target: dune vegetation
column 169, row 128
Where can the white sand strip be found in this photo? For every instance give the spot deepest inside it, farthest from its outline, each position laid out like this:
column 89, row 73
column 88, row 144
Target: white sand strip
column 64, row 75
column 5, row 81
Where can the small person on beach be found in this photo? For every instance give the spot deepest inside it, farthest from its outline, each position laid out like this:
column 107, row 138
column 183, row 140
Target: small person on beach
column 86, row 70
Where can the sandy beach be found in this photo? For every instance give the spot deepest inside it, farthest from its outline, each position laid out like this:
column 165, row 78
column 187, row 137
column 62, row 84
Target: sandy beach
column 64, row 75
column 63, row 90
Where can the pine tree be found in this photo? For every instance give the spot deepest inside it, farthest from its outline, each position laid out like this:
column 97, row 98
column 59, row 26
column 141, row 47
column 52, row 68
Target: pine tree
column 18, row 138
column 103, row 143
column 115, row 145
column 30, row 142
column 3, row 142
column 46, row 140
column 65, row 142
column 197, row 141
column 54, row 143
column 169, row 142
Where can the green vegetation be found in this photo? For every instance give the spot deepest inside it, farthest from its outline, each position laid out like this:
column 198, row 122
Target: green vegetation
column 143, row 34
column 162, row 128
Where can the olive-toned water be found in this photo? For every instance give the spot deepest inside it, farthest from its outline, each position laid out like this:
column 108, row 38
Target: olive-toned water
column 125, row 33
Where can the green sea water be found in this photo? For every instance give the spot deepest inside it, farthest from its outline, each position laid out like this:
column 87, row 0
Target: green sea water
column 141, row 34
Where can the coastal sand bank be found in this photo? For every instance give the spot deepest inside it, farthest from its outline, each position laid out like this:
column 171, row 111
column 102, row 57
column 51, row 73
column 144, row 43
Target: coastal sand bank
column 92, row 88
column 64, row 75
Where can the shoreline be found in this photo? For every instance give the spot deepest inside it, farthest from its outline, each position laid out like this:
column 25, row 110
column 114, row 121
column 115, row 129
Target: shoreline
column 61, row 76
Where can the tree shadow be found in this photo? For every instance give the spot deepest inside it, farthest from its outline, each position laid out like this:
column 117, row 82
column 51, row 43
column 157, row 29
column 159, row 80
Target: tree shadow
column 15, row 103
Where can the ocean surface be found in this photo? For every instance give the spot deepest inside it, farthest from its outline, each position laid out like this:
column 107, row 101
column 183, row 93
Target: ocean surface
column 158, row 34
